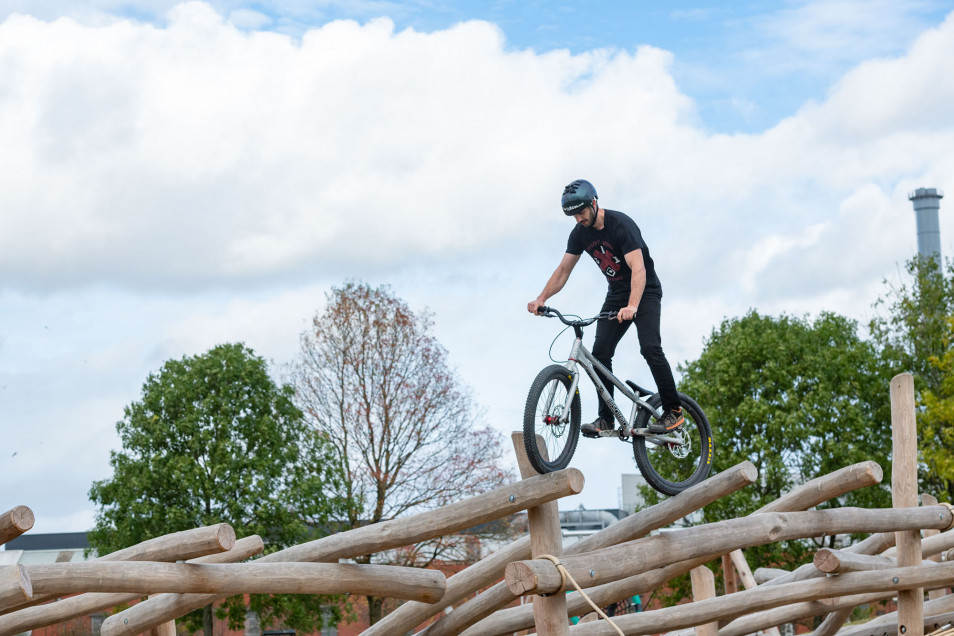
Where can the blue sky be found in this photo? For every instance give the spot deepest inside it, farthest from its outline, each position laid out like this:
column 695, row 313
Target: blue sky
column 174, row 176
column 747, row 64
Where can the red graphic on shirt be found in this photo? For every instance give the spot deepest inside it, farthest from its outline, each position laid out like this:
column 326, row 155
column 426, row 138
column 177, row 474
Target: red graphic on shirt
column 607, row 263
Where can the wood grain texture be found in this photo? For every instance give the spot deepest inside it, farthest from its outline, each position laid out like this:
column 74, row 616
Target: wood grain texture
column 15, row 522
column 612, row 564
column 470, row 618
column 904, row 494
column 75, row 606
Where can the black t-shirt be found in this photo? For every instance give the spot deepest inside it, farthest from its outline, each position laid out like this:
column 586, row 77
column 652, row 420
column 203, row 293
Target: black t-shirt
column 620, row 236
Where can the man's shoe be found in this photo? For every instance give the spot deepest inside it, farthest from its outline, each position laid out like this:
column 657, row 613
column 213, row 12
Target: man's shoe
column 670, row 421
column 592, row 429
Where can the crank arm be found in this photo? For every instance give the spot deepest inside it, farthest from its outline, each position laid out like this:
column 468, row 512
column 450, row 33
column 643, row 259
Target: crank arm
column 657, row 438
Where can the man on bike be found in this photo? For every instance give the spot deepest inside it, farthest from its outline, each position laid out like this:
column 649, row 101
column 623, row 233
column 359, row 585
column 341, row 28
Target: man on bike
column 616, row 245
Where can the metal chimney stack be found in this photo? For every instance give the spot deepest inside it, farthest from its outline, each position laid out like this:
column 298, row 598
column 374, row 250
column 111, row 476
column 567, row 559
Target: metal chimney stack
column 927, row 203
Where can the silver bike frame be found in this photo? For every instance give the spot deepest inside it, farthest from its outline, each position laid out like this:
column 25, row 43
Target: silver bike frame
column 580, row 355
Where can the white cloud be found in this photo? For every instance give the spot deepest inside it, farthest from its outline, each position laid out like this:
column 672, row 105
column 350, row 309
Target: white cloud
column 197, row 153
column 166, row 188
column 248, row 19
column 817, row 34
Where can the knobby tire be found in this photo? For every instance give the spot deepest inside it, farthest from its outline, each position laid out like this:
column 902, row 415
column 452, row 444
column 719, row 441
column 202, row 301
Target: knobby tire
column 559, row 440
column 662, row 469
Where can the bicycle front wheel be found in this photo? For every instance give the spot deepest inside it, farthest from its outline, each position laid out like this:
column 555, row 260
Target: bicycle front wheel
column 545, row 414
column 671, row 468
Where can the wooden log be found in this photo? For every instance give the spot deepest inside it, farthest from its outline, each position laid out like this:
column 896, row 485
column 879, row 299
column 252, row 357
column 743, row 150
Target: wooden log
column 748, row 580
column 764, row 575
column 166, row 629
column 874, row 544
column 546, row 538
column 177, row 546
column 461, row 585
column 821, row 489
column 380, row 536
column 506, row 622
column 729, row 584
column 703, row 587
column 838, row 562
column 742, row 568
column 248, row 578
column 772, row 618
column 15, row 585
column 931, row 500
column 396, row 533
column 15, row 522
column 75, row 606
column 512, row 620
column 763, row 598
column 826, row 487
column 904, row 494
column 937, row 613
column 611, row 564
column 627, row 529
column 930, row 546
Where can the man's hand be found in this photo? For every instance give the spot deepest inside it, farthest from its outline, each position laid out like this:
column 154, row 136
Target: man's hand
column 534, row 306
column 626, row 313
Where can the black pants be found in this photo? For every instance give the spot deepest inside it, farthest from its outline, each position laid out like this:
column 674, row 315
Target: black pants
column 609, row 333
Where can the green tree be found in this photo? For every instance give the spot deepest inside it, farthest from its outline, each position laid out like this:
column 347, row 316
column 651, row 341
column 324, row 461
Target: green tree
column 374, row 379
column 915, row 328
column 915, row 336
column 213, row 439
column 799, row 399
column 936, row 424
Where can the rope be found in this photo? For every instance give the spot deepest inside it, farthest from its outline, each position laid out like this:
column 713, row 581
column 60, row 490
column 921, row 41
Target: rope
column 564, row 575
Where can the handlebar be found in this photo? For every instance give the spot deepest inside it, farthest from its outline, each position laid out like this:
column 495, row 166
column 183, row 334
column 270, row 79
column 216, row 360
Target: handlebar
column 550, row 312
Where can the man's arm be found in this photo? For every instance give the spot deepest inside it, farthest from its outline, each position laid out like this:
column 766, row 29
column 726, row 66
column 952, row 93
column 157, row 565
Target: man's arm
column 557, row 281
column 637, row 284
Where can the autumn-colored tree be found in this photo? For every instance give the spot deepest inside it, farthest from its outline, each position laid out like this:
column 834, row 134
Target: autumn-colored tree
column 375, row 381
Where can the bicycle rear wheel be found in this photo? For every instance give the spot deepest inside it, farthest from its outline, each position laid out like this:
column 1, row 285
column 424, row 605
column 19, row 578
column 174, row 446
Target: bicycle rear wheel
column 543, row 416
column 671, row 468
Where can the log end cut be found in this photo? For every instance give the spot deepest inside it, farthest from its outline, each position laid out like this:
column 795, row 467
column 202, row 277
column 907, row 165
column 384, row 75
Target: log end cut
column 520, row 578
column 576, row 480
column 22, row 518
column 826, row 560
column 225, row 535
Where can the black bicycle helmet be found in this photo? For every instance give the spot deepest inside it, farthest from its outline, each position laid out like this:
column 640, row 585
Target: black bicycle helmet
column 577, row 196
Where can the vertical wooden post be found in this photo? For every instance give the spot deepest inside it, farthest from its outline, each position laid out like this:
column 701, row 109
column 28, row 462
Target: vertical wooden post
column 748, row 581
column 165, row 629
column 731, row 586
column 931, row 500
column 549, row 612
column 703, row 587
column 904, row 494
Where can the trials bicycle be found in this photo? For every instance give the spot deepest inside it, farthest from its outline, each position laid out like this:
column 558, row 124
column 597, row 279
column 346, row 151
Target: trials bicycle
column 670, row 462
